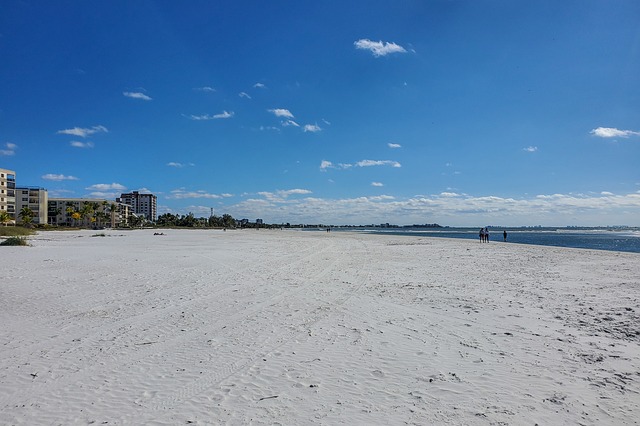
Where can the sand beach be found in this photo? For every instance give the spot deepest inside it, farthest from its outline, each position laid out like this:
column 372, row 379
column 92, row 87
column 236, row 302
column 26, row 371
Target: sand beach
column 294, row 328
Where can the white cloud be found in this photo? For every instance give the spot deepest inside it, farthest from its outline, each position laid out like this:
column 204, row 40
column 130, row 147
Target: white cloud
column 244, row 95
column 83, row 132
column 224, row 114
column 11, row 149
column 288, row 123
column 369, row 163
column 394, row 145
column 58, row 178
column 379, row 48
column 530, row 149
column 79, row 144
column 259, row 86
column 281, row 112
column 282, row 195
column 106, row 187
column 179, row 165
column 377, row 184
column 313, row 128
column 207, row 89
column 181, row 194
column 137, row 95
column 324, row 165
column 610, row 132
column 205, row 117
column 105, row 195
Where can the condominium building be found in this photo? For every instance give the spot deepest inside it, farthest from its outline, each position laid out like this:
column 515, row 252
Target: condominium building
column 8, row 192
column 36, row 200
column 141, row 204
column 84, row 212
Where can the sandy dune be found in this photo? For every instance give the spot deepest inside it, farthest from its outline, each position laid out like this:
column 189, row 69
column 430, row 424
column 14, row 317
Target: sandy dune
column 289, row 327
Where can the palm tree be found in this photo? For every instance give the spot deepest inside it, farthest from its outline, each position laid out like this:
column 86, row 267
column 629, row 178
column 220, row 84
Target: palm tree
column 5, row 217
column 26, row 215
column 75, row 215
column 86, row 210
column 113, row 209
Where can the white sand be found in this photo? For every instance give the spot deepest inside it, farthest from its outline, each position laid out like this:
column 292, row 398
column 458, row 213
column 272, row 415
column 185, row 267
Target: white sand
column 289, row 327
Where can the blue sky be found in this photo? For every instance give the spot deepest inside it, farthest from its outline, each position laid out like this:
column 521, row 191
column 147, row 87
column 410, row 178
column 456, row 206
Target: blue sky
column 455, row 112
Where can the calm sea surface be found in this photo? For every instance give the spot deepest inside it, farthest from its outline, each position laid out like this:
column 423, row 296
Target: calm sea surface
column 597, row 239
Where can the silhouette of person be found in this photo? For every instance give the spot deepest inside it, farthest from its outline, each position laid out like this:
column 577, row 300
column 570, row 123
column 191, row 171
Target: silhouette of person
column 504, row 234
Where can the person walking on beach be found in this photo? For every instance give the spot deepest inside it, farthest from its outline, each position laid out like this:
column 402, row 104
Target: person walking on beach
column 482, row 235
column 486, row 234
column 504, row 234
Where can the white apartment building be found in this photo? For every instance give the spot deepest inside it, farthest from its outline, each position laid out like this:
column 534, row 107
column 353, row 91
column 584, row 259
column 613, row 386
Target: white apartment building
column 36, row 200
column 141, row 204
column 8, row 192
column 104, row 212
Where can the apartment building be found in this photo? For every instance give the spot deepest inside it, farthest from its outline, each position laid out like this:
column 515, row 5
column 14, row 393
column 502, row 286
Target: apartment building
column 36, row 200
column 141, row 204
column 8, row 192
column 100, row 212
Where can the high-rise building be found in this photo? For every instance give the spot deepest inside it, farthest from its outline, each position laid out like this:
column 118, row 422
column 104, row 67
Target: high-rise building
column 8, row 192
column 141, row 204
column 36, row 200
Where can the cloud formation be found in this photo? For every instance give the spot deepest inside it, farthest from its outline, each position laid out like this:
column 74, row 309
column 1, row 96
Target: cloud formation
column 80, row 144
column 137, row 95
column 207, row 89
column 179, row 165
column 282, row 195
column 224, row 114
column 106, row 187
column 58, row 178
column 281, row 112
column 181, row 194
column 82, row 131
column 204, row 117
column 369, row 163
column 446, row 208
column 313, row 128
column 610, row 132
column 377, row 184
column 530, row 149
column 10, row 149
column 379, row 48
column 394, row 145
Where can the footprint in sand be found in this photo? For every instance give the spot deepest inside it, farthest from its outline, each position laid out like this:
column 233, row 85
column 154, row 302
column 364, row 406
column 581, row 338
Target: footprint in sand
column 377, row 373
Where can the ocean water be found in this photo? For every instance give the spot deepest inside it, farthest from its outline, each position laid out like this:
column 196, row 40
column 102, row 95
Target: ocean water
column 627, row 240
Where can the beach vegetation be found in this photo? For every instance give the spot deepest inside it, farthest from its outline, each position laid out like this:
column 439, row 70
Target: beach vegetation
column 5, row 218
column 26, row 215
column 15, row 241
column 15, row 231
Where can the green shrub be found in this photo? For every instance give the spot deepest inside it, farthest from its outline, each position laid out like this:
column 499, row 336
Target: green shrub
column 15, row 241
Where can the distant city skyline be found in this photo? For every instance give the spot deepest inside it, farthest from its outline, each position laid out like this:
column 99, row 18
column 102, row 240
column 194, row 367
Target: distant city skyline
column 461, row 113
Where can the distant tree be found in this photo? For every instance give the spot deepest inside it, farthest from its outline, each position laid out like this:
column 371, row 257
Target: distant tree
column 228, row 221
